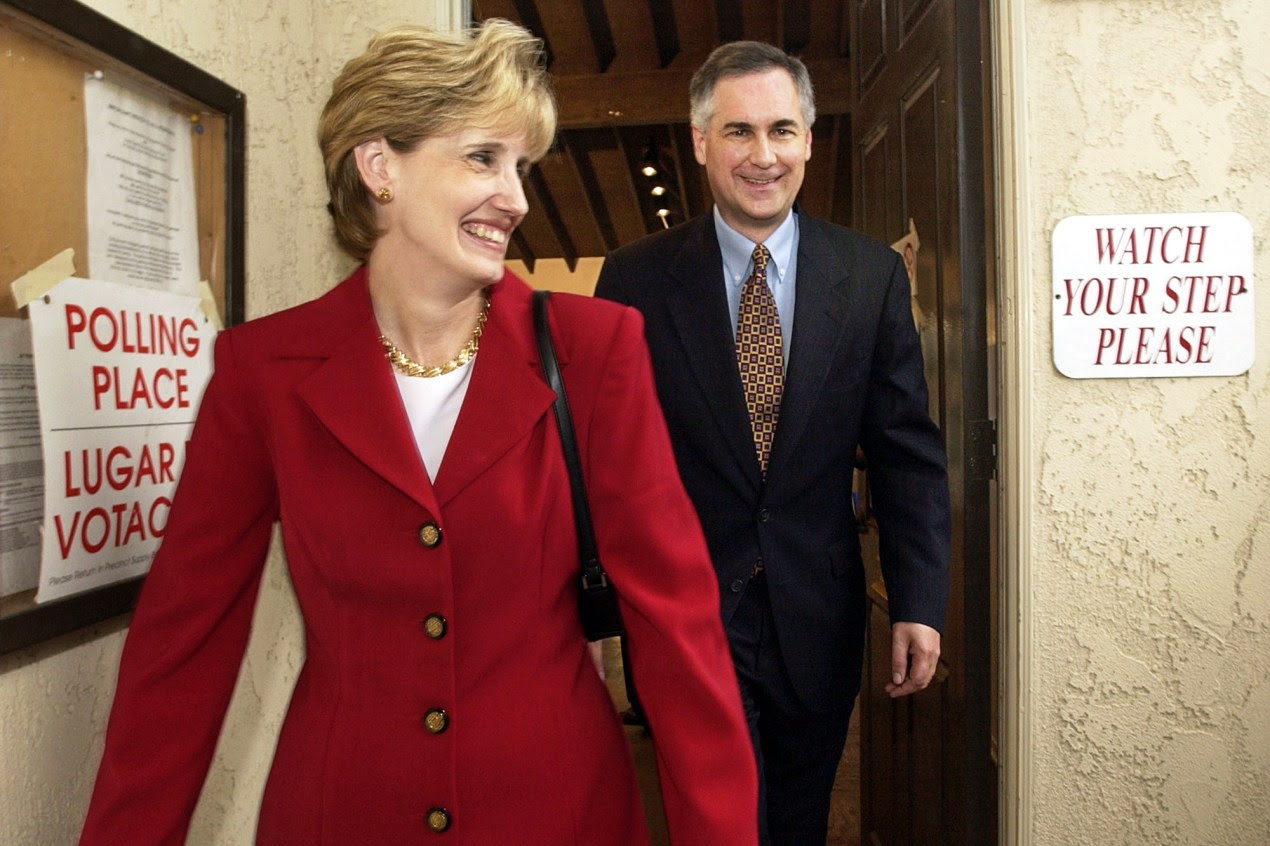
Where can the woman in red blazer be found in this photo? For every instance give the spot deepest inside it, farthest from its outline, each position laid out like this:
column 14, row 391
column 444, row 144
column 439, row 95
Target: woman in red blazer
column 400, row 431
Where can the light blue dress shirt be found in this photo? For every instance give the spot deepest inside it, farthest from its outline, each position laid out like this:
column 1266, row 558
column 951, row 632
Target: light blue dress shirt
column 781, row 270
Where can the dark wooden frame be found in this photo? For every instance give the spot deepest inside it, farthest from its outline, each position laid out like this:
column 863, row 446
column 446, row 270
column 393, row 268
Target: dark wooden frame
column 86, row 29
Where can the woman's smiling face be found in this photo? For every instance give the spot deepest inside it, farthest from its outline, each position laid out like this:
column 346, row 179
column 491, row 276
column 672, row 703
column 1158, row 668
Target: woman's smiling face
column 456, row 201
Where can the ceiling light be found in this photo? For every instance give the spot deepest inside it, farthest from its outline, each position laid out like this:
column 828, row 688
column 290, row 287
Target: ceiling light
column 652, row 165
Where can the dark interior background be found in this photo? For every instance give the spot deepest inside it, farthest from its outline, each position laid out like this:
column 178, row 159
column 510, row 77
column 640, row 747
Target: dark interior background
column 621, row 70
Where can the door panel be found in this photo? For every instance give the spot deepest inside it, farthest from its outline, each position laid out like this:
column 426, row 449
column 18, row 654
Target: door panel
column 923, row 770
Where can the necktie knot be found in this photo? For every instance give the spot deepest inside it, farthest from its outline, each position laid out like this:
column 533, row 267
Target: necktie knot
column 760, row 257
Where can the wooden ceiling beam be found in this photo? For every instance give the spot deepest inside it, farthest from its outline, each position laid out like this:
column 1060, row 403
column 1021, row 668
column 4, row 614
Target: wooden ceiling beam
column 694, row 29
column 728, row 19
column 665, row 31
column 794, row 23
column 547, row 204
column 597, row 22
column 527, row 13
column 522, row 250
column 629, row 99
column 597, row 209
column 692, row 176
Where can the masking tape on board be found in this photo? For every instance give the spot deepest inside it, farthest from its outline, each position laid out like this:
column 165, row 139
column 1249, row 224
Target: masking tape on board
column 207, row 302
column 35, row 283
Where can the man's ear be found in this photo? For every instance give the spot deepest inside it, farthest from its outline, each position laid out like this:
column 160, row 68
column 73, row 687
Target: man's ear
column 807, row 155
column 373, row 159
column 699, row 145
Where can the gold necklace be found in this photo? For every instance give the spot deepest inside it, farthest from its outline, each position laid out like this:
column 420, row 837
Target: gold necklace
column 407, row 366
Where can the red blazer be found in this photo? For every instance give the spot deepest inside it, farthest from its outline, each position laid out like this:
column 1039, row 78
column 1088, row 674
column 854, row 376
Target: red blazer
column 302, row 424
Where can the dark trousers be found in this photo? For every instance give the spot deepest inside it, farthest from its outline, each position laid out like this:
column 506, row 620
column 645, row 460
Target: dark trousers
column 797, row 749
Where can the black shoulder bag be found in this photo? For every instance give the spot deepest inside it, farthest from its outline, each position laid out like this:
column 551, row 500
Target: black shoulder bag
column 597, row 600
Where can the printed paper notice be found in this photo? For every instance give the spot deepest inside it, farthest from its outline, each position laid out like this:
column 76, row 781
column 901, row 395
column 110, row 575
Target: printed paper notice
column 142, row 222
column 21, row 467
column 120, row 372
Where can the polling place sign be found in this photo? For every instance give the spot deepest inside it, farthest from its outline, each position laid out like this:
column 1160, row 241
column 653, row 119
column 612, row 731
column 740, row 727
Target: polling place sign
column 1153, row 295
column 119, row 372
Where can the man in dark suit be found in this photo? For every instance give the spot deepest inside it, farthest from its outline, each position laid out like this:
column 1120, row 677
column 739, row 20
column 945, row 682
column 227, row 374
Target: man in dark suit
column 772, row 366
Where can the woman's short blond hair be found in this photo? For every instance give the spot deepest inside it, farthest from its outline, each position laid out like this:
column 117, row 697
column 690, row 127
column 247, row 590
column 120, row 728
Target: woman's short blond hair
column 413, row 83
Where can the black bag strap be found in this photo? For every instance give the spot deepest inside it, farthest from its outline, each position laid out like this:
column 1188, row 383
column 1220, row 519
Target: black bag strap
column 594, row 579
column 593, row 575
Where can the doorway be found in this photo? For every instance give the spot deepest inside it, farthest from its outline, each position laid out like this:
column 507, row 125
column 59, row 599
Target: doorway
column 900, row 151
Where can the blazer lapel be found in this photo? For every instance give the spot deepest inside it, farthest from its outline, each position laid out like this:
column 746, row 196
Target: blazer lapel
column 819, row 317
column 353, row 393
column 698, row 307
column 506, row 397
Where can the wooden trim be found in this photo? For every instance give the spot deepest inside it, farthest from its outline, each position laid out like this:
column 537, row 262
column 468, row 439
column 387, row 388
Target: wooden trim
column 982, row 805
column 1016, row 437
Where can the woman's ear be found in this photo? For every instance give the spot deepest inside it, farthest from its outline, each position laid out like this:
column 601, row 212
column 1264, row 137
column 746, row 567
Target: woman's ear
column 373, row 159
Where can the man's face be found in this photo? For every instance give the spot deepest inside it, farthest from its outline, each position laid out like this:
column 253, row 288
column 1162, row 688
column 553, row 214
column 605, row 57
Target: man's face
column 754, row 150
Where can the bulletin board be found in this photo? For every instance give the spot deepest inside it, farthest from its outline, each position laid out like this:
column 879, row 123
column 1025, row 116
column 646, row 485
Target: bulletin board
column 47, row 47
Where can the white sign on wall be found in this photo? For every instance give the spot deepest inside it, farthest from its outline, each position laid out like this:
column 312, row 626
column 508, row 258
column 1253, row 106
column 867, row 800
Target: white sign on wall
column 1153, row 295
column 119, row 373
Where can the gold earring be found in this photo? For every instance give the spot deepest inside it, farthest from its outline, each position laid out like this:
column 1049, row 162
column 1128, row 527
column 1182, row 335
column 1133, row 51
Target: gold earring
column 384, row 194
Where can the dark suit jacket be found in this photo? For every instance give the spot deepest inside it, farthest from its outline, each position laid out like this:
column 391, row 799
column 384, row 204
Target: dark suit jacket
column 854, row 376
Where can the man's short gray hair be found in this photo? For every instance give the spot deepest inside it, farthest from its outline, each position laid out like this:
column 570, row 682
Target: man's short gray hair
column 739, row 58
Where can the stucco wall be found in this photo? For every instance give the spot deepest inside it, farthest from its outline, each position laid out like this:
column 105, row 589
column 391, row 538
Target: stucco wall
column 54, row 699
column 1149, row 560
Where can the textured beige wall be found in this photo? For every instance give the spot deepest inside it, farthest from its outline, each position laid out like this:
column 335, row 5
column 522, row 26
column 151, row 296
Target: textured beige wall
column 1148, row 556
column 54, row 699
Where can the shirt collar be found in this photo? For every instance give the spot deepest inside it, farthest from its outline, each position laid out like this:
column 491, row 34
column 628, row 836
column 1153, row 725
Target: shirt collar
column 737, row 250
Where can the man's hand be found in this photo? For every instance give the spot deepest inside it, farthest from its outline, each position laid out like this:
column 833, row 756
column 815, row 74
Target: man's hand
column 914, row 655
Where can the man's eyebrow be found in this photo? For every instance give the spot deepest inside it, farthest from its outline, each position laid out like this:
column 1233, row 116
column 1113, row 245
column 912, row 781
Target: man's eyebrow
column 783, row 123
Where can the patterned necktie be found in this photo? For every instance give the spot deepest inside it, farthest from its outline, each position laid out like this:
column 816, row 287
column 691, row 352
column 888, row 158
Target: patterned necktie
column 758, row 355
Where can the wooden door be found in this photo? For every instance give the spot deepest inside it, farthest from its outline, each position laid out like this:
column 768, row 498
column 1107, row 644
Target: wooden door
column 919, row 162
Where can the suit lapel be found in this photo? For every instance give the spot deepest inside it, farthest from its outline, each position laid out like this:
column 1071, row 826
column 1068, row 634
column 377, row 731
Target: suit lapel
column 698, row 307
column 506, row 397
column 819, row 317
column 353, row 393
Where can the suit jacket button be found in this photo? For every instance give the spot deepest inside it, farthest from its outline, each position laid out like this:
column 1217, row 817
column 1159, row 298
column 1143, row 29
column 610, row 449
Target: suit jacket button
column 438, row 819
column 434, row 626
column 764, row 515
column 429, row 534
column 738, row 585
column 436, row 720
